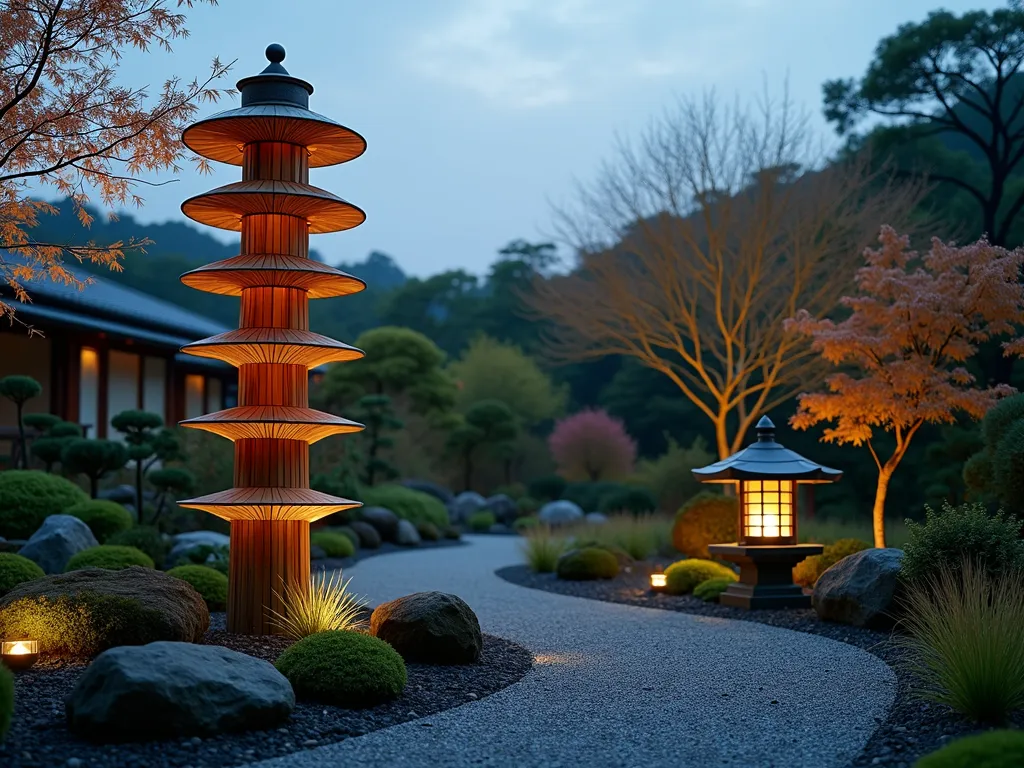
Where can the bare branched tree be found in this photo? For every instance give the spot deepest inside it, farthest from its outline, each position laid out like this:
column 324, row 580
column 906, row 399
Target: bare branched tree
column 698, row 241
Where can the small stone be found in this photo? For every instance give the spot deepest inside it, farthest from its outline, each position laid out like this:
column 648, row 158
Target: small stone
column 472, row 696
column 774, row 701
column 310, row 743
column 74, row 762
column 412, row 714
column 195, row 741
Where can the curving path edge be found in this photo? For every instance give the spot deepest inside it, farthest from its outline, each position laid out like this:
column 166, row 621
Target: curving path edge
column 618, row 685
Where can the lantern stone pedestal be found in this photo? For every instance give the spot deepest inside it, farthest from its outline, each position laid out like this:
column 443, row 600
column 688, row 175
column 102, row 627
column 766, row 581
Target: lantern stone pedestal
column 766, row 575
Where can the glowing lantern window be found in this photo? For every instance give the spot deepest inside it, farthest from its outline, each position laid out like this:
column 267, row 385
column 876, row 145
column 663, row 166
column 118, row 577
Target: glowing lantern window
column 767, row 512
column 19, row 654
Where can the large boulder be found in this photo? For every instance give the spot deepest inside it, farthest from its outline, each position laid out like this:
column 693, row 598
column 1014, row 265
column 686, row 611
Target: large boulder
column 407, row 536
column 83, row 613
column 439, row 492
column 561, row 512
column 862, row 589
column 165, row 690
column 368, row 536
column 384, row 520
column 429, row 627
column 465, row 504
column 504, row 509
column 185, row 543
column 58, row 538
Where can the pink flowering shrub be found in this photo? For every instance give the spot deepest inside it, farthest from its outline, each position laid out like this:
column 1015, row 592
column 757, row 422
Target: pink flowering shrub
column 591, row 445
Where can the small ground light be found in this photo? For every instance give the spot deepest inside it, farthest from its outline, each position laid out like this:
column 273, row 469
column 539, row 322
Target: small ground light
column 657, row 582
column 19, row 654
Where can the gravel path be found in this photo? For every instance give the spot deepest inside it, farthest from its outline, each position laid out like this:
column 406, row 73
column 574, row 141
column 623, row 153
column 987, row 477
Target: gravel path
column 617, row 685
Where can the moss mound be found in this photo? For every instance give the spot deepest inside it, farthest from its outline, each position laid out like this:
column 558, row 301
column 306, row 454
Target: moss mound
column 707, row 518
column 15, row 570
column 145, row 538
column 481, row 522
column 681, row 578
column 212, row 585
column 345, row 530
column 428, row 532
column 6, row 700
column 104, row 518
column 113, row 557
column 345, row 668
column 414, row 506
column 332, row 543
column 27, row 497
column 81, row 614
column 710, row 589
column 451, row 532
column 587, row 564
column 995, row 749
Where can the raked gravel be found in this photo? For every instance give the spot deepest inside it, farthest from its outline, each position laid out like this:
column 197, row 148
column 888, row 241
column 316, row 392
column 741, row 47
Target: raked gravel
column 617, row 685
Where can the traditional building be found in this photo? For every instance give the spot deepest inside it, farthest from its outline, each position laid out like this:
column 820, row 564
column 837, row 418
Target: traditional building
column 107, row 349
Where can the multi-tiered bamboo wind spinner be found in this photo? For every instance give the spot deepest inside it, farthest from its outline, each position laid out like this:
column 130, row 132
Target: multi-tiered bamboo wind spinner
column 276, row 139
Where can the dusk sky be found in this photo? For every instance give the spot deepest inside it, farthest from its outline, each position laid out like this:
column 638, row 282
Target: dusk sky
column 479, row 114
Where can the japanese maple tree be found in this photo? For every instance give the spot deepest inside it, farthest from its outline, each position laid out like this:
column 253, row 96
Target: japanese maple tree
column 914, row 323
column 67, row 123
column 591, row 445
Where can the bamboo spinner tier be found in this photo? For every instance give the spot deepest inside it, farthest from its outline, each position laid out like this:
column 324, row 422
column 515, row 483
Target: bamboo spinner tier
column 276, row 139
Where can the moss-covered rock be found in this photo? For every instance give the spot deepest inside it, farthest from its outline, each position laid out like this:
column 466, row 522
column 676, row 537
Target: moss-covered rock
column 587, row 564
column 429, row 627
column 15, row 570
column 27, row 497
column 208, row 582
column 345, row 668
column 82, row 613
column 6, row 700
column 707, row 518
column 110, row 556
column 104, row 518
column 332, row 543
column 994, row 749
column 682, row 577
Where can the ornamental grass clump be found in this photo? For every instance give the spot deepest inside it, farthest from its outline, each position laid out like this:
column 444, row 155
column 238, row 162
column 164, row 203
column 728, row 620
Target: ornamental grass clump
column 347, row 669
column 962, row 627
column 541, row 548
column 682, row 577
column 640, row 537
column 327, row 606
column 112, row 557
column 15, row 570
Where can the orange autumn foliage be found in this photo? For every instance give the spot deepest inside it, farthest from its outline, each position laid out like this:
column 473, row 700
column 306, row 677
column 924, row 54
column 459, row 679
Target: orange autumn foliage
column 67, row 123
column 914, row 323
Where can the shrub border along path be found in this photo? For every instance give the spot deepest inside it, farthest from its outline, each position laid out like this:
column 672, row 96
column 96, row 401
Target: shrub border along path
column 618, row 685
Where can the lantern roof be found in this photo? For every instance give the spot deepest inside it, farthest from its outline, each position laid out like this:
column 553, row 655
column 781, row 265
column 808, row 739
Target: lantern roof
column 766, row 459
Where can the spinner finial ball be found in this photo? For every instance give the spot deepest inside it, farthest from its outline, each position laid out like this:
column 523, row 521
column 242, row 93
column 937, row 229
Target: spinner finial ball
column 275, row 53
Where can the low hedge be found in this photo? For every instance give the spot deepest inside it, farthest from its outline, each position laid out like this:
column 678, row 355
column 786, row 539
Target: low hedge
column 345, row 668
column 112, row 557
column 682, row 577
column 587, row 564
column 28, row 496
column 333, row 544
column 345, row 530
column 994, row 749
column 104, row 518
column 211, row 584
column 15, row 570
column 414, row 506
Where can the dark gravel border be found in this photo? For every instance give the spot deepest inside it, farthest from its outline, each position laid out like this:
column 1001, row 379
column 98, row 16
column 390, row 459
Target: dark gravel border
column 910, row 729
column 38, row 737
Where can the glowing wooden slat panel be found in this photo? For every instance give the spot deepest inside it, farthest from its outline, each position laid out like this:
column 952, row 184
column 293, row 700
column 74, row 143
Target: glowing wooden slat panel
column 273, row 421
column 230, row 276
column 273, row 345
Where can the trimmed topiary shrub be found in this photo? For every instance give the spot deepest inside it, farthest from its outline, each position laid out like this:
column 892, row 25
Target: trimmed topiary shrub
column 635, row 501
column 6, row 700
column 481, row 521
column 333, row 544
column 15, row 570
column 145, row 538
column 428, row 532
column 110, row 557
column 587, row 564
column 345, row 530
column 707, row 518
column 27, row 497
column 948, row 536
column 212, row 585
column 807, row 572
column 709, row 590
column 682, row 577
column 104, row 518
column 414, row 506
column 994, row 749
column 345, row 668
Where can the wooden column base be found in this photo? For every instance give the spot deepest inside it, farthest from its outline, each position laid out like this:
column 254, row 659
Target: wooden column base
column 265, row 556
